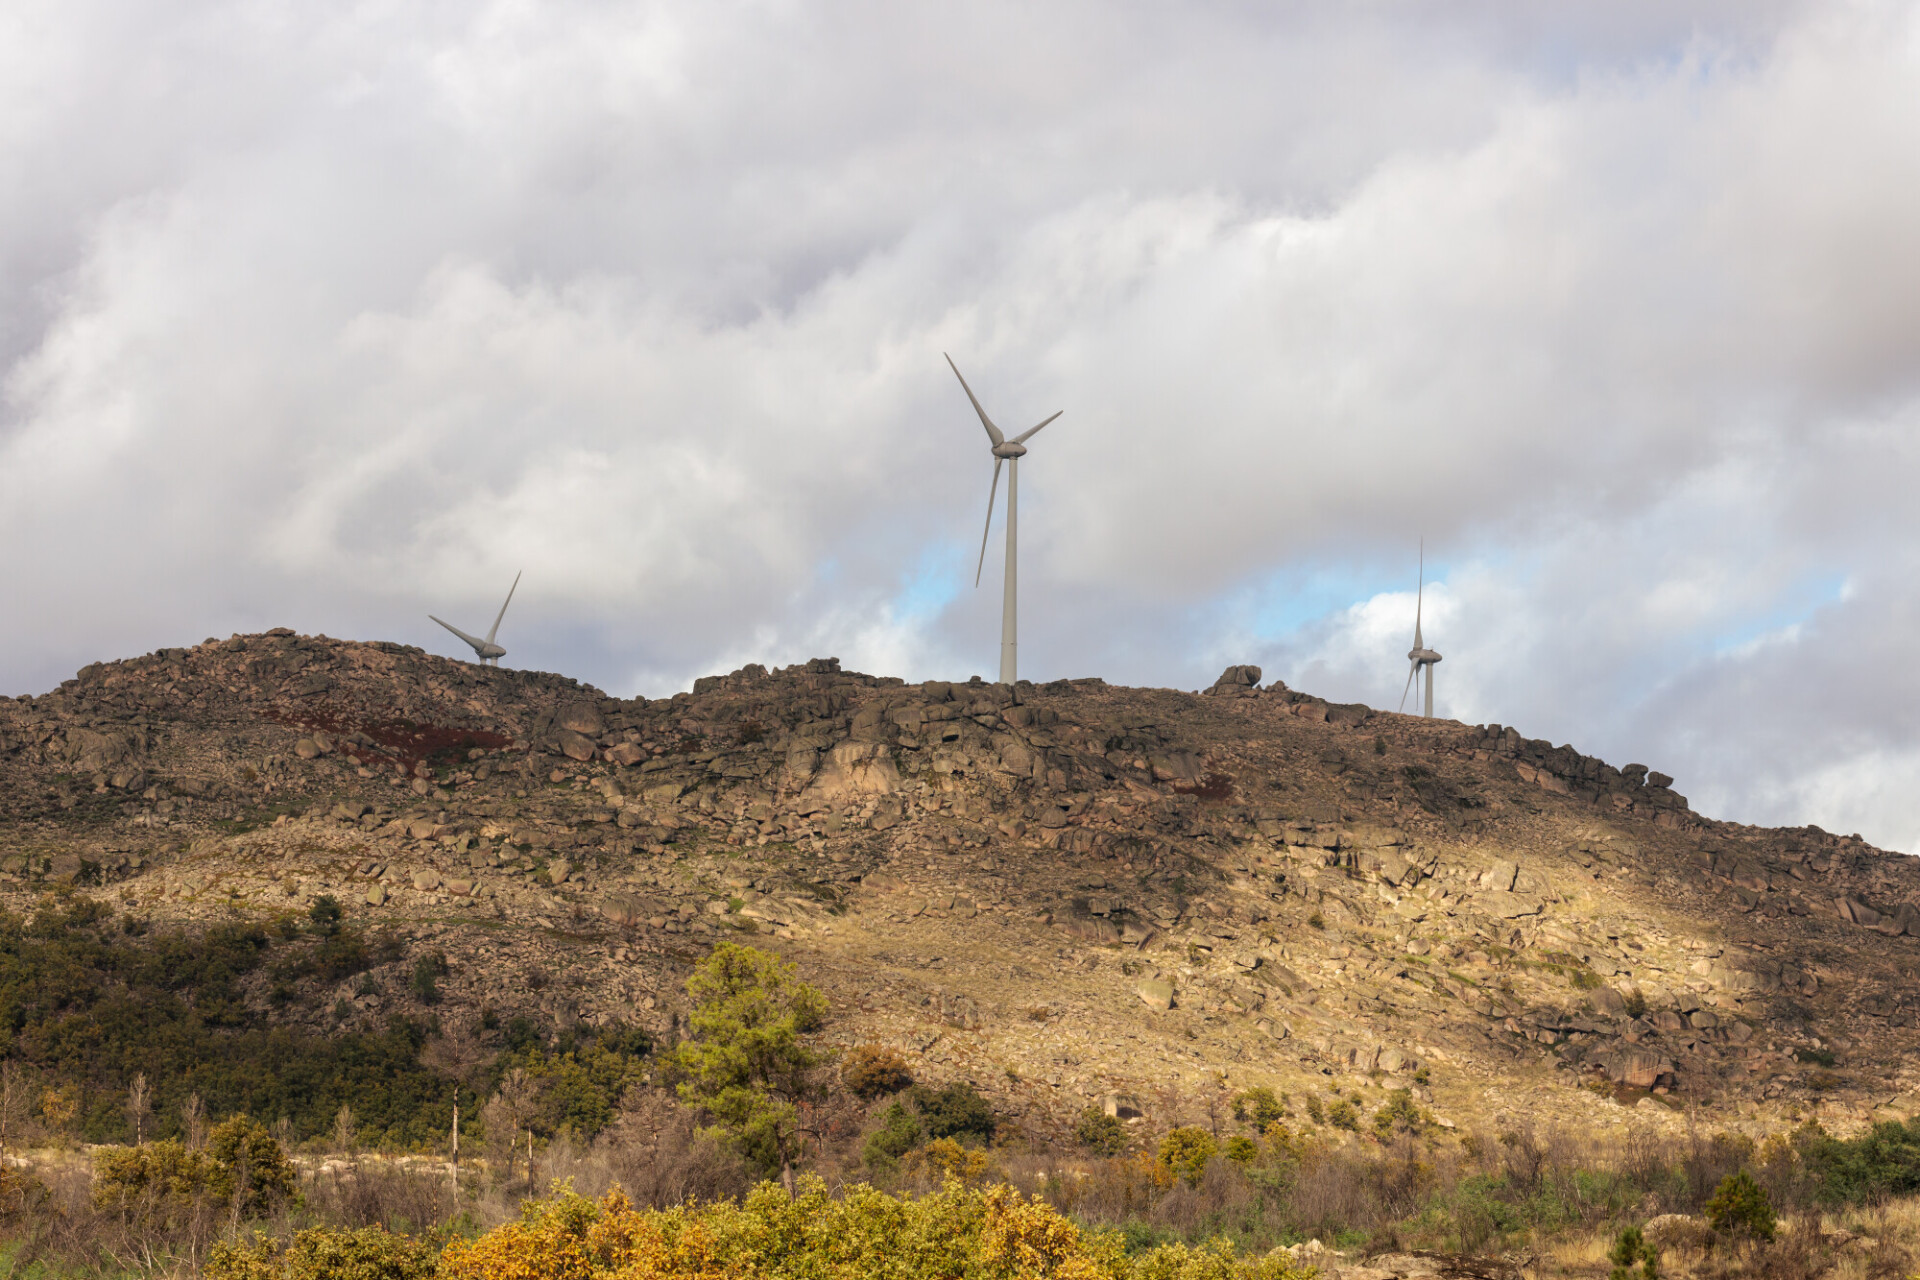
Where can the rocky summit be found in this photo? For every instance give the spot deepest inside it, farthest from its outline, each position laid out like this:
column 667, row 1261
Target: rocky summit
column 1069, row 893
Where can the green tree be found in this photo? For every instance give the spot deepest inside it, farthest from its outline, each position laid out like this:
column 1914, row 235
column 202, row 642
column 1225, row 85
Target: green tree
column 1185, row 1151
column 745, row 1065
column 1741, row 1206
column 427, row 972
column 1634, row 1257
column 250, row 1165
column 1259, row 1107
column 324, row 915
column 1398, row 1115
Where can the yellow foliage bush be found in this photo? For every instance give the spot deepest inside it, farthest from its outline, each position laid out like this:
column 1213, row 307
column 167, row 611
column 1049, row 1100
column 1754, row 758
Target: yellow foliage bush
column 957, row 1233
column 949, row 1159
column 370, row 1253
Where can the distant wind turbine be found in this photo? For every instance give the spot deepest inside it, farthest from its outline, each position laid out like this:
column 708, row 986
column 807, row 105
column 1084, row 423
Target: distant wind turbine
column 1420, row 655
column 1009, row 452
column 486, row 650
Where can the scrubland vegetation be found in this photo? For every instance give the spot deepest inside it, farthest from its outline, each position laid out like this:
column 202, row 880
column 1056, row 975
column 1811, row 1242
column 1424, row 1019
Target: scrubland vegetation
column 244, row 1151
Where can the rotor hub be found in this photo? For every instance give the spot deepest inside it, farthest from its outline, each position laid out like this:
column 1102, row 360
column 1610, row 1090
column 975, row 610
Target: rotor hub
column 1010, row 449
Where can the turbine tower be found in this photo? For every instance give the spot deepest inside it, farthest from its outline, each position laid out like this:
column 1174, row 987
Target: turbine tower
column 1009, row 452
column 1420, row 655
column 486, row 650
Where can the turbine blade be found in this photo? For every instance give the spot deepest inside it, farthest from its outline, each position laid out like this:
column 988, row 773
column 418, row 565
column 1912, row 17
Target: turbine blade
column 991, row 491
column 993, row 432
column 1031, row 432
column 1420, row 596
column 503, row 607
column 1409, row 685
column 477, row 644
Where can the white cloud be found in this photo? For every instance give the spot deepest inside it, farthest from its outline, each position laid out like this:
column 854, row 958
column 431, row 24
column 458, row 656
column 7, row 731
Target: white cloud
column 329, row 317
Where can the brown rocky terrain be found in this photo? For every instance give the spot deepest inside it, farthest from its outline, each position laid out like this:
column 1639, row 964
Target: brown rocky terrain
column 1067, row 893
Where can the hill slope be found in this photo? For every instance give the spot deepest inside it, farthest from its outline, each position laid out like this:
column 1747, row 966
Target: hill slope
column 1069, row 894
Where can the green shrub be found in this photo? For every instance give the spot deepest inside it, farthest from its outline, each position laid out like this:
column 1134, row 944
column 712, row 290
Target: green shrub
column 957, row 1111
column 899, row 1133
column 163, row 1182
column 1633, row 1257
column 1741, row 1207
column 325, row 914
column 93, row 1003
column 427, row 972
column 1185, row 1151
column 1259, row 1107
column 1881, row 1163
column 1241, row 1149
column 1344, row 1115
column 1398, row 1115
column 1100, row 1133
column 1315, row 1111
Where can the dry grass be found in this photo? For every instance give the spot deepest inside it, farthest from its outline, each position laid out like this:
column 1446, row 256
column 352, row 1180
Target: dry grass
column 1881, row 1243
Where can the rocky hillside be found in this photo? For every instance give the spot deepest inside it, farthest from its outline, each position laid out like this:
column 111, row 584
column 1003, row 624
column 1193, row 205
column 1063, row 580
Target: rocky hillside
column 1068, row 893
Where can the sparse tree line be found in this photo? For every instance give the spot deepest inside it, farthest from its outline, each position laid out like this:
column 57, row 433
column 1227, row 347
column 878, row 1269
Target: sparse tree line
column 657, row 1150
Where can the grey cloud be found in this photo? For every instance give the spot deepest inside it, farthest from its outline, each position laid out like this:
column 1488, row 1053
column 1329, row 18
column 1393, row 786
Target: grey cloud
column 327, row 318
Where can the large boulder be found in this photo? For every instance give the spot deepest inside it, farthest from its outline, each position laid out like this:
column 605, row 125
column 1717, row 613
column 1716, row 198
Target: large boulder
column 1636, row 1068
column 573, row 744
column 1236, row 679
column 582, row 717
column 1155, row 993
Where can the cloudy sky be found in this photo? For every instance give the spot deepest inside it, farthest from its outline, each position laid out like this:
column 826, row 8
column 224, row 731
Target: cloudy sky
column 329, row 316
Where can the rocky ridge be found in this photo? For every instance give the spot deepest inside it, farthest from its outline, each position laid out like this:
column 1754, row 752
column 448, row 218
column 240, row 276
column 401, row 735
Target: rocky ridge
column 1069, row 893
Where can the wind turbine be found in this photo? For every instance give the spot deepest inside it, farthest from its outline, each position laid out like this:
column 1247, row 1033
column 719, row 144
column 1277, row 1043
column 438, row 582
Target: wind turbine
column 486, row 650
column 1420, row 655
column 1009, row 452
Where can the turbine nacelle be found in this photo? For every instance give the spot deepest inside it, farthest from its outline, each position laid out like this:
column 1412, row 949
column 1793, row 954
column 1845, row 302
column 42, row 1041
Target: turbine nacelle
column 1423, row 655
column 485, row 650
column 1011, row 449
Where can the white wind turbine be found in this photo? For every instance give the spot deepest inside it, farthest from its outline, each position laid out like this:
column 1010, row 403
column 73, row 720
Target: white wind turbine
column 486, row 650
column 1420, row 655
column 1009, row 452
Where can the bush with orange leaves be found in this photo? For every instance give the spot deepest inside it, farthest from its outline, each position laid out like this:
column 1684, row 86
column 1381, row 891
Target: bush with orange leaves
column 957, row 1233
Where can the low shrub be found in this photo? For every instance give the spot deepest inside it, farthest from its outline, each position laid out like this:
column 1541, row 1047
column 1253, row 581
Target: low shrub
column 164, row 1183
column 1259, row 1107
column 1741, row 1207
column 899, row 1133
column 870, row 1071
column 1100, row 1133
column 984, row 1234
column 371, row 1253
column 427, row 972
column 1882, row 1162
column 957, row 1111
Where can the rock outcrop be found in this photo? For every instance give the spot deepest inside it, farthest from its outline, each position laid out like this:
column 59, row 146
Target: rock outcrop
column 1066, row 892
